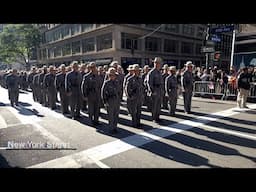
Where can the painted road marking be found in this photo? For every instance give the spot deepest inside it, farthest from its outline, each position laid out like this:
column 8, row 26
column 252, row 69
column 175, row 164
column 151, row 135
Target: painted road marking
column 116, row 147
column 28, row 117
column 236, row 133
column 3, row 124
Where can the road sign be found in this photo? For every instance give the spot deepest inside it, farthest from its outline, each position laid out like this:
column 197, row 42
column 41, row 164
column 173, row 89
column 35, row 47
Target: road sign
column 216, row 38
column 210, row 43
column 207, row 49
column 223, row 29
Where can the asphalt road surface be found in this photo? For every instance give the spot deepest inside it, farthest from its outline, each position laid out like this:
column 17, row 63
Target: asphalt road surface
column 216, row 134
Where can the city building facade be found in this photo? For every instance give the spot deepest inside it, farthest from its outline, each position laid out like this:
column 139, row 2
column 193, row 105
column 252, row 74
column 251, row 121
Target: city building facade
column 245, row 47
column 126, row 43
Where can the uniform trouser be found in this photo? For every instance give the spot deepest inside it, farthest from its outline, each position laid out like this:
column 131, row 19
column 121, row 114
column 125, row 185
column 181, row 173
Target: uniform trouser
column 148, row 102
column 242, row 97
column 51, row 95
column 94, row 107
column 187, row 96
column 113, row 109
column 75, row 104
column 13, row 95
column 63, row 102
column 33, row 92
column 165, row 102
column 156, row 106
column 43, row 96
column 136, row 111
column 38, row 93
column 172, row 102
column 129, row 104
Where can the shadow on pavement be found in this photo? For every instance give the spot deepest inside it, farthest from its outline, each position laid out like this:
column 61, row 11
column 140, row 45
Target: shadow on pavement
column 247, row 122
column 232, row 139
column 231, row 127
column 176, row 154
column 25, row 104
column 26, row 111
column 2, row 104
column 4, row 163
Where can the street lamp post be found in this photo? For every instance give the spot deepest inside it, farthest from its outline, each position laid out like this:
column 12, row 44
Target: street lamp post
column 207, row 54
column 232, row 49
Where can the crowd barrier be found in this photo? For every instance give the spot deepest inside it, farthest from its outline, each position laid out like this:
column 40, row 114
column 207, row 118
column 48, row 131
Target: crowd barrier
column 220, row 89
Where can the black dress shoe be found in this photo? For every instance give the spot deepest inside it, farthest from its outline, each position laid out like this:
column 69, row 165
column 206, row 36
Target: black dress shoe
column 96, row 123
column 113, row 131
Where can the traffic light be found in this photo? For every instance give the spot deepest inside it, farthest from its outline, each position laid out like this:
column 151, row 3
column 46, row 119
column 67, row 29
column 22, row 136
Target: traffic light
column 216, row 56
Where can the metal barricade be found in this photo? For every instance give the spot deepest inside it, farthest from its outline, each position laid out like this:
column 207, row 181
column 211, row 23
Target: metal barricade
column 252, row 92
column 231, row 90
column 208, row 88
column 224, row 90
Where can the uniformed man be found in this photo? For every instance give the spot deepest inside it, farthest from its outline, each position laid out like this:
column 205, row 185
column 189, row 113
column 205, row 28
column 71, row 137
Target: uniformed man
column 83, row 71
column 101, row 76
column 105, row 69
column 91, row 90
column 121, row 75
column 187, row 86
column 119, row 78
column 13, row 83
column 30, row 82
column 60, row 87
column 48, row 83
column 134, row 89
column 42, row 94
column 155, row 85
column 147, row 100
column 164, row 75
column 73, row 88
column 110, row 96
column 129, row 74
column 36, row 85
column 171, row 90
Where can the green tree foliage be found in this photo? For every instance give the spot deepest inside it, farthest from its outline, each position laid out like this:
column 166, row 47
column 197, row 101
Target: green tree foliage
column 17, row 42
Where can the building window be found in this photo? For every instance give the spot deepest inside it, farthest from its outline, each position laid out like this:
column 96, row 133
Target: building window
column 198, row 49
column 57, row 35
column 57, row 52
column 51, row 53
column 188, row 29
column 65, row 31
column 88, row 44
column 76, row 48
column 66, row 49
column 48, row 37
column 126, row 41
column 86, row 27
column 200, row 31
column 153, row 44
column 171, row 46
column 43, row 38
column 172, row 28
column 75, row 29
column 187, row 48
column 44, row 55
column 104, row 41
